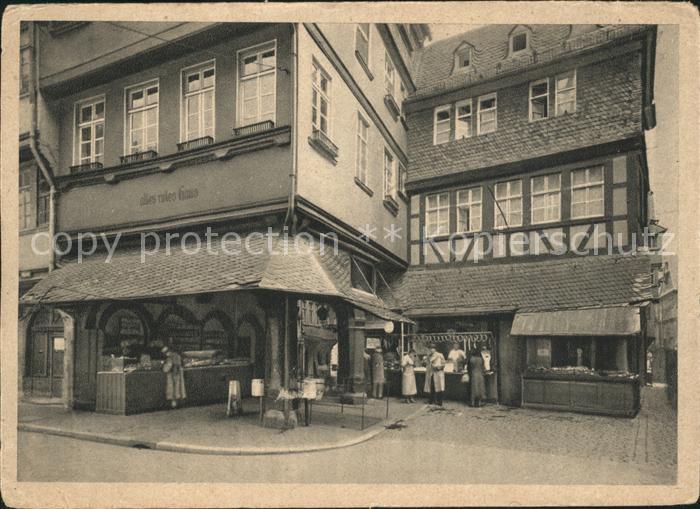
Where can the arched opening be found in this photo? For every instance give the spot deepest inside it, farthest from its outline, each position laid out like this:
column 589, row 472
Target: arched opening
column 126, row 332
column 249, row 343
column 217, row 333
column 179, row 328
column 44, row 360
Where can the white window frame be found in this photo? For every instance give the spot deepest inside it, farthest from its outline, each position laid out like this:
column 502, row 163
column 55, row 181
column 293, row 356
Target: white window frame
column 401, row 175
column 257, row 49
column 533, row 84
column 77, row 125
column 389, row 75
column 458, row 58
column 439, row 109
column 390, row 180
column 440, row 209
column 458, row 133
column 25, row 64
column 201, row 67
column 25, row 200
column 480, row 111
column 128, row 91
column 464, row 198
column 547, row 192
column 588, row 185
column 557, row 92
column 511, row 40
column 505, row 204
column 316, row 126
column 366, row 37
column 362, row 148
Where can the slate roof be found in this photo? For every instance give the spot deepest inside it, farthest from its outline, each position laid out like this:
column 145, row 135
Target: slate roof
column 306, row 270
column 581, row 282
column 433, row 64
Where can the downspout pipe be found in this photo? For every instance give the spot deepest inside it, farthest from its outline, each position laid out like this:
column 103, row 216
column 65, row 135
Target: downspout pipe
column 33, row 145
column 289, row 221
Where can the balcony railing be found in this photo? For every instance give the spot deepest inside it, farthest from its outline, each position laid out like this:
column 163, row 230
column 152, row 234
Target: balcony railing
column 320, row 141
column 80, row 168
column 146, row 155
column 247, row 130
column 196, row 143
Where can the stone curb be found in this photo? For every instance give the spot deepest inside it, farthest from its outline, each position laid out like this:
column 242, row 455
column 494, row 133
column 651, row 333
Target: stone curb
column 203, row 449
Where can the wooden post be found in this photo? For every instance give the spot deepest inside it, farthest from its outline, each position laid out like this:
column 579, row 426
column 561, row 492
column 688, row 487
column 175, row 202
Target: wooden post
column 68, row 357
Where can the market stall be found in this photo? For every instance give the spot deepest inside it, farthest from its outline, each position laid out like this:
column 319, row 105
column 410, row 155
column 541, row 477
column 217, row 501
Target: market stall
column 581, row 360
column 455, row 388
column 129, row 385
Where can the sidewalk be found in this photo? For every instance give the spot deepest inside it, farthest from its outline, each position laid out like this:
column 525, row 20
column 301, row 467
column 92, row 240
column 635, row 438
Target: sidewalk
column 207, row 430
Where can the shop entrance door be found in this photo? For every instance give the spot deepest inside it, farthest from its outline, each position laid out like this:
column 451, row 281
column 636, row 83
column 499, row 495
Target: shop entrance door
column 46, row 364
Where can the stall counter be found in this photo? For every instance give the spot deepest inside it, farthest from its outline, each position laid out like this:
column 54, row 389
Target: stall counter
column 132, row 392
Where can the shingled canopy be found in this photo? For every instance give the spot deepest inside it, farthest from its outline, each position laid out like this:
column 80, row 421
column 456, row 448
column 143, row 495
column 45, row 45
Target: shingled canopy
column 570, row 283
column 303, row 268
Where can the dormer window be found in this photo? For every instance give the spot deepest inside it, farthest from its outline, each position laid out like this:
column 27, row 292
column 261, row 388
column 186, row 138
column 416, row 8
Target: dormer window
column 463, row 59
column 519, row 42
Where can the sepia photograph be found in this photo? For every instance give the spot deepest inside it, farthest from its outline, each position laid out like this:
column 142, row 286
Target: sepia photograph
column 315, row 251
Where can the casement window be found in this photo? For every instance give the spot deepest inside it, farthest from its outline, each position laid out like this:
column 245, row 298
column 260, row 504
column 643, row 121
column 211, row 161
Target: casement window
column 402, row 174
column 469, row 210
column 26, row 218
column 362, row 41
column 463, row 122
column 198, row 98
column 463, row 58
column 321, row 100
column 519, row 41
column 389, row 176
column 257, row 78
column 539, row 99
column 487, row 113
column 508, row 207
column 437, row 214
column 25, row 67
column 587, row 192
column 362, row 143
column 363, row 275
column 441, row 121
column 90, row 131
column 142, row 118
column 42, row 203
column 546, row 198
column 389, row 76
column 565, row 97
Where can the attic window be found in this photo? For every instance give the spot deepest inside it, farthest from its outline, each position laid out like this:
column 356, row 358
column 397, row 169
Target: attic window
column 463, row 59
column 518, row 42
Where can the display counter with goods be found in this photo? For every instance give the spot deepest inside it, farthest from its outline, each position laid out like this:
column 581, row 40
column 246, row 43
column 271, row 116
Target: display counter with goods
column 129, row 385
column 588, row 375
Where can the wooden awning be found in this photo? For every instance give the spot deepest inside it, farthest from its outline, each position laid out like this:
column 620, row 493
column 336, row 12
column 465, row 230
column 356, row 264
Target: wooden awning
column 608, row 321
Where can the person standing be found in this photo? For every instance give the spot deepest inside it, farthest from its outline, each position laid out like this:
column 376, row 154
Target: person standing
column 408, row 376
column 435, row 376
column 477, row 385
column 377, row 374
column 457, row 356
column 174, row 377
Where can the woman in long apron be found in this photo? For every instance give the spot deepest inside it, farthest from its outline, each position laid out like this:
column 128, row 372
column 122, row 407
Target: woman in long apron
column 408, row 377
column 174, row 377
column 477, row 384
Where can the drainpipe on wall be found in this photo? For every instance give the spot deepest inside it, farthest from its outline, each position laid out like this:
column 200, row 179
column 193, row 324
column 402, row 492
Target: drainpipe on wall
column 289, row 218
column 33, row 97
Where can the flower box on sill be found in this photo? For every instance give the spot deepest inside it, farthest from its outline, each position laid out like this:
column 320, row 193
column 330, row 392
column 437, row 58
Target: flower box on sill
column 247, row 130
column 390, row 103
column 137, row 157
column 196, row 143
column 323, row 144
column 80, row 168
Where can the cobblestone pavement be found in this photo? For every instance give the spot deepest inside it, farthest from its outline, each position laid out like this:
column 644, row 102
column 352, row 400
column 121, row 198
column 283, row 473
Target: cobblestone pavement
column 488, row 445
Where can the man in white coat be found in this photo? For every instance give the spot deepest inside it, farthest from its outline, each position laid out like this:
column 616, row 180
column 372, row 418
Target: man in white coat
column 435, row 376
